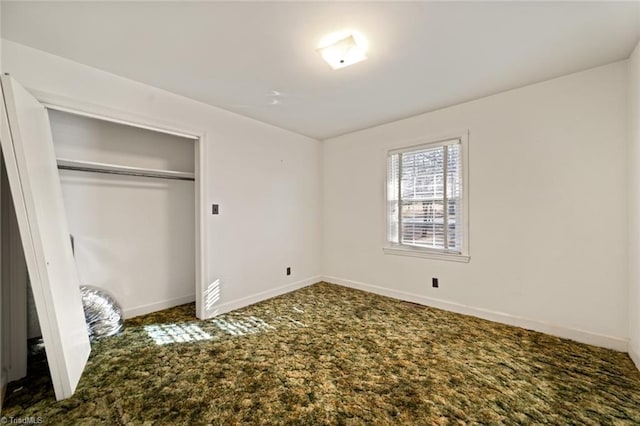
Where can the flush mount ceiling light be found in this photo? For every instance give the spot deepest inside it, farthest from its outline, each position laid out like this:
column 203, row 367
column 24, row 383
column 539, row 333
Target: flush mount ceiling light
column 342, row 49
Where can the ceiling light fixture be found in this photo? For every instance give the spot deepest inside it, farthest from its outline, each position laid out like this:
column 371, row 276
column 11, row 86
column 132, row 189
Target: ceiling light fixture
column 342, row 49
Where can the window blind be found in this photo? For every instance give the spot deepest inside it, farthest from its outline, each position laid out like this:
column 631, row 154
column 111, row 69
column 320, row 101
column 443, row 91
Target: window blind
column 424, row 197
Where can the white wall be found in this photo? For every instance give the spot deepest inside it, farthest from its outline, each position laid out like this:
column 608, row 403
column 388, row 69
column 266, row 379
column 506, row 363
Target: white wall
column 548, row 244
column 634, row 205
column 547, row 209
column 265, row 179
column 134, row 236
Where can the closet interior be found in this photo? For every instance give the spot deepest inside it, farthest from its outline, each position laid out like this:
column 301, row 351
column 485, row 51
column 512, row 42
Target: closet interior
column 129, row 195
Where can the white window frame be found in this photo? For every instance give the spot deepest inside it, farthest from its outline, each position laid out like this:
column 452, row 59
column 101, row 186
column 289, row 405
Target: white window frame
column 424, row 252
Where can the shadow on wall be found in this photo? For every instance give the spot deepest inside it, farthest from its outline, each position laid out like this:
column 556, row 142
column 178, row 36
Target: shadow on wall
column 33, row 325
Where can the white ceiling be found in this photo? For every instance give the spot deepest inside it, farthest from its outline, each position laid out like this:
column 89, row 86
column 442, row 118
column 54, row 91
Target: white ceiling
column 422, row 56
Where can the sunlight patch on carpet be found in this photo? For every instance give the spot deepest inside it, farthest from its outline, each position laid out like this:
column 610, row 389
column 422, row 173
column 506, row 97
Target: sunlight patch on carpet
column 236, row 325
column 176, row 333
column 242, row 326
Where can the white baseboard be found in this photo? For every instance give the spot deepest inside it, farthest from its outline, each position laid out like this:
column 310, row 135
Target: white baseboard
column 634, row 353
column 264, row 295
column 158, row 306
column 224, row 307
column 582, row 336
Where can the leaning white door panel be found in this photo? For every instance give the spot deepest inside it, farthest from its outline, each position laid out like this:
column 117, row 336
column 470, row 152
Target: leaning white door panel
column 27, row 145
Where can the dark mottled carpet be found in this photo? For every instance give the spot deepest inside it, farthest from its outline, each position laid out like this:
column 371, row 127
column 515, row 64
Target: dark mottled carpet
column 331, row 355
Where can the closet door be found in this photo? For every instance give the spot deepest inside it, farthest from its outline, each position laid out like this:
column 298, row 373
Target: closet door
column 27, row 146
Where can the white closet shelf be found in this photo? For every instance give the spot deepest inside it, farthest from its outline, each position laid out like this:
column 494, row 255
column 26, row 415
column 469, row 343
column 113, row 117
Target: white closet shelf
column 90, row 166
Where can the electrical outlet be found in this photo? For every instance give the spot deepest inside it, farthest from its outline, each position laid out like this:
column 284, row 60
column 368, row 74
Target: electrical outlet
column 288, row 270
column 434, row 282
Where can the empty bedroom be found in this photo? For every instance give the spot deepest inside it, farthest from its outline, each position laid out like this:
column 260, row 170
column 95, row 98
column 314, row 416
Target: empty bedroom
column 231, row 212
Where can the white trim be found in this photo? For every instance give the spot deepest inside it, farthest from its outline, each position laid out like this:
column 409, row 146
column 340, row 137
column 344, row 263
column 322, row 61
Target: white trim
column 466, row 208
column 399, row 145
column 158, row 306
column 263, row 295
column 582, row 336
column 405, row 250
column 634, row 354
column 87, row 109
column 201, row 216
column 435, row 143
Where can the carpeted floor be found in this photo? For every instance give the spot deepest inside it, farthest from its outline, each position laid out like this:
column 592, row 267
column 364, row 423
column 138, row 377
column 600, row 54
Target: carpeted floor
column 331, row 355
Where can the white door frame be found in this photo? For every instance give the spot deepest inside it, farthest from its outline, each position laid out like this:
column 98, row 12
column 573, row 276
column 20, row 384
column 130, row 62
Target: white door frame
column 78, row 107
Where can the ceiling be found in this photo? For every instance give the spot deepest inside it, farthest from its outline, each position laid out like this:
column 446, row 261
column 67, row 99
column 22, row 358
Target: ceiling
column 259, row 59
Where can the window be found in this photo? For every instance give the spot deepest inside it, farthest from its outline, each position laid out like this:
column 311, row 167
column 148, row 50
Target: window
column 426, row 200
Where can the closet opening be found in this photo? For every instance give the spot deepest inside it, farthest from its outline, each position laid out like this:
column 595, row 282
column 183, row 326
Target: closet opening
column 132, row 196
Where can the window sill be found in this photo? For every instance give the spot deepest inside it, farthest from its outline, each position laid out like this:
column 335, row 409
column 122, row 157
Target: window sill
column 406, row 251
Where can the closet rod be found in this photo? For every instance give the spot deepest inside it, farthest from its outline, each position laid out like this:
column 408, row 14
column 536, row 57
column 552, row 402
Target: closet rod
column 89, row 166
